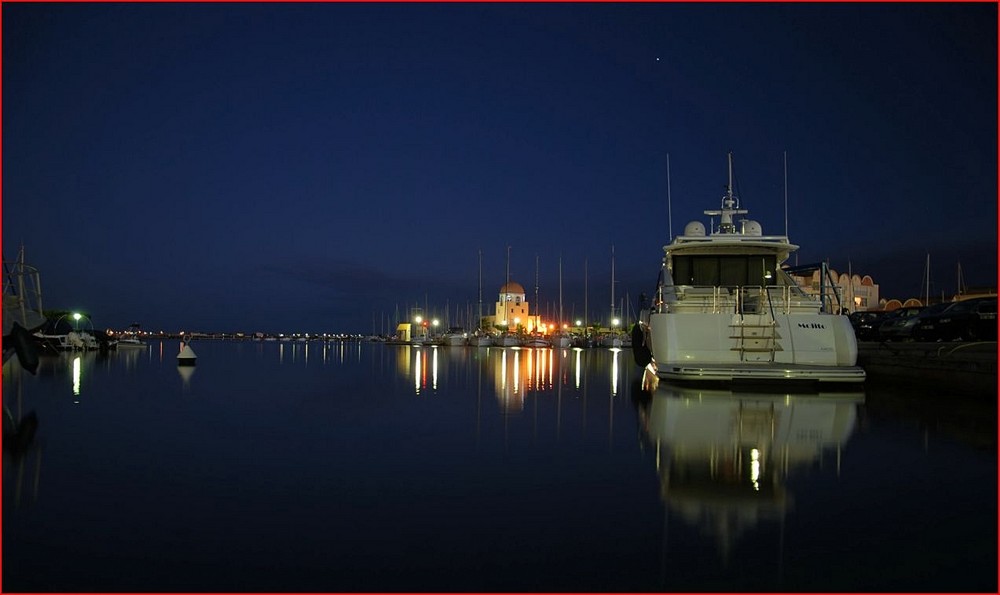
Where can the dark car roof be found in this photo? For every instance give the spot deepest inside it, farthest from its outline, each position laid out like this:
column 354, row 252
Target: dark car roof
column 970, row 304
column 937, row 308
column 955, row 307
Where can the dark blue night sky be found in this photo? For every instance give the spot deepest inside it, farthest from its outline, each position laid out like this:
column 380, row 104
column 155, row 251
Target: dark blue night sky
column 310, row 167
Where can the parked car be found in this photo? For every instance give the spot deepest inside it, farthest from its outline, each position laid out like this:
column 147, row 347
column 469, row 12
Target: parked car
column 866, row 323
column 892, row 326
column 968, row 320
column 904, row 332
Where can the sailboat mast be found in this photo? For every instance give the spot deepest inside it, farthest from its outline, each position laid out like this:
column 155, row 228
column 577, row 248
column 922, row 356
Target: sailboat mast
column 612, row 281
column 506, row 310
column 586, row 312
column 479, row 321
column 961, row 283
column 927, row 291
column 560, row 294
column 537, row 305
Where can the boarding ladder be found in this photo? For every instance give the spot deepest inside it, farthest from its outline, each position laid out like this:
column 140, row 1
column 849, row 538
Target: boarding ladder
column 755, row 331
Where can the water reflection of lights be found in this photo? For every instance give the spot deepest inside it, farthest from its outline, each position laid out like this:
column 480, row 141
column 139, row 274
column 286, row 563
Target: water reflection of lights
column 578, row 366
column 416, row 372
column 517, row 370
column 420, row 371
column 76, row 378
column 516, row 375
column 614, row 370
column 434, row 368
column 755, row 468
column 507, row 377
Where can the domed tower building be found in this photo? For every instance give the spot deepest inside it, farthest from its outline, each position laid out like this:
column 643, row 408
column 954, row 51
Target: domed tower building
column 511, row 310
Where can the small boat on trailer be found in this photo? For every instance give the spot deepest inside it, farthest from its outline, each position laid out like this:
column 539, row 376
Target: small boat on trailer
column 724, row 310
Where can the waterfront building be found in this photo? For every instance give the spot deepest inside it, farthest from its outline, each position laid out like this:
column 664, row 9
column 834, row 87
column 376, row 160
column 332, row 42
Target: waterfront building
column 856, row 292
column 512, row 311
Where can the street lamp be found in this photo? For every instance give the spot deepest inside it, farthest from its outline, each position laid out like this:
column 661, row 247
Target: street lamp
column 76, row 317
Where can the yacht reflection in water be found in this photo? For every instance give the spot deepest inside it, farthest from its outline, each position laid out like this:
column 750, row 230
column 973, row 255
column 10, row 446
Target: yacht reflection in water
column 724, row 456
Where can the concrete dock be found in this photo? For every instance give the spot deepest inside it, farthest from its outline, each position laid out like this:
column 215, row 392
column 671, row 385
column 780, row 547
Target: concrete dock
column 964, row 367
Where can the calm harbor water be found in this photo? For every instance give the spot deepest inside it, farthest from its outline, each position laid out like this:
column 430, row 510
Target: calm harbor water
column 372, row 467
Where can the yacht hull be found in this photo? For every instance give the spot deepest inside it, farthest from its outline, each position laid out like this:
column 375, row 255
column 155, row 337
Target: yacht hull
column 732, row 347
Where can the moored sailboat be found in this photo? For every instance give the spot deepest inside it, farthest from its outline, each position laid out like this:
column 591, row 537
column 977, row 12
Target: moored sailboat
column 561, row 338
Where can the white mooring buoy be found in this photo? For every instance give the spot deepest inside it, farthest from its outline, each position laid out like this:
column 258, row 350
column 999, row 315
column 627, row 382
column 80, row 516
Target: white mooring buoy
column 186, row 357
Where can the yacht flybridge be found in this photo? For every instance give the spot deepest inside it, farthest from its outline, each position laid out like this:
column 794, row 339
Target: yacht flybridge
column 724, row 310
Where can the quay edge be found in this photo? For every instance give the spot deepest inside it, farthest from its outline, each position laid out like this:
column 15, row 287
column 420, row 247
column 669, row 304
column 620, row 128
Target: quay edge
column 968, row 368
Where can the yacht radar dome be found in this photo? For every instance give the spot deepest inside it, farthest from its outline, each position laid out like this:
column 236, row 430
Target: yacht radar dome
column 752, row 228
column 695, row 228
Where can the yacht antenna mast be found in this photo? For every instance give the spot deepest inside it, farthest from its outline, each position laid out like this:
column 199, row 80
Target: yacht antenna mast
column 730, row 206
column 670, row 214
column 785, row 156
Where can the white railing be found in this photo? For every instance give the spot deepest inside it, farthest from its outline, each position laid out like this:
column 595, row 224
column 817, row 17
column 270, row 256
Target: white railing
column 759, row 299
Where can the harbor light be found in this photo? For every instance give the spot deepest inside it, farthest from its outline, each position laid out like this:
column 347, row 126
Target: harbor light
column 418, row 319
column 77, row 317
column 615, row 322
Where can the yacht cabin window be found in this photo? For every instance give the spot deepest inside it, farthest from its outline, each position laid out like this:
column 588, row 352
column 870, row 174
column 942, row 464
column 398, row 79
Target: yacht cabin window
column 726, row 271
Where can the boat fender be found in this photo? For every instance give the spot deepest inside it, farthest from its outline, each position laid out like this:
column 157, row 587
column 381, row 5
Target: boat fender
column 640, row 351
column 25, row 348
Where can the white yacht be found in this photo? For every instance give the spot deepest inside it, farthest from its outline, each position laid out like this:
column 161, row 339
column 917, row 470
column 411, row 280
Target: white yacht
column 456, row 337
column 508, row 340
column 562, row 339
column 536, row 341
column 724, row 310
column 481, row 338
